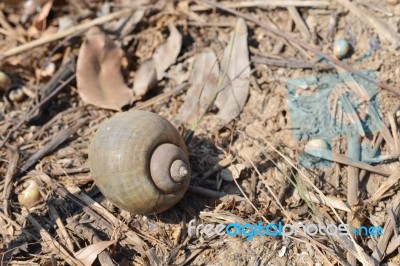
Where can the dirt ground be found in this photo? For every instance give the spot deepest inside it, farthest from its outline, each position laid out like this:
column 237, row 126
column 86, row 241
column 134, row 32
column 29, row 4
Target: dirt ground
column 254, row 87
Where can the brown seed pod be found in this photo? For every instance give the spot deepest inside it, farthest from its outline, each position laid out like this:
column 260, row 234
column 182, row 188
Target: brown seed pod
column 139, row 162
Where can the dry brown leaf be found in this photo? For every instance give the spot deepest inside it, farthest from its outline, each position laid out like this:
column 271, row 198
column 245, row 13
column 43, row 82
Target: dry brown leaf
column 98, row 72
column 146, row 78
column 164, row 56
column 235, row 63
column 203, row 89
column 89, row 254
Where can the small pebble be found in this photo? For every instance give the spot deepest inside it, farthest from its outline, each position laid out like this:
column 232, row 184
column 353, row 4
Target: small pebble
column 5, row 82
column 392, row 2
column 341, row 48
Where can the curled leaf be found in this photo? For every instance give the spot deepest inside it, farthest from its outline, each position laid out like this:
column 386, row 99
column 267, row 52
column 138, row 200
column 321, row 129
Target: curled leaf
column 235, row 84
column 98, row 74
column 154, row 68
column 204, row 87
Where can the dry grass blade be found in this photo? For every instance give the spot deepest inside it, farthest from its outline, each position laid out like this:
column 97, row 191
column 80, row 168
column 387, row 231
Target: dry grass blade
column 387, row 185
column 343, row 159
column 263, row 3
column 383, row 241
column 384, row 30
column 13, row 162
column 329, row 201
column 62, row 34
column 302, row 43
column 50, row 242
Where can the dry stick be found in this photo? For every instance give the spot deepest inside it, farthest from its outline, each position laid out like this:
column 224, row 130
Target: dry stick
column 342, row 159
column 62, row 34
column 395, row 227
column 287, row 63
column 302, row 43
column 301, row 25
column 383, row 29
column 329, row 201
column 388, row 184
column 393, row 127
column 354, row 153
column 52, row 145
column 348, row 242
column 63, row 233
column 34, row 109
column 88, row 233
column 12, row 165
column 114, row 221
column 50, row 242
column 18, row 227
column 135, row 241
column 272, row 3
column 158, row 98
column 387, row 232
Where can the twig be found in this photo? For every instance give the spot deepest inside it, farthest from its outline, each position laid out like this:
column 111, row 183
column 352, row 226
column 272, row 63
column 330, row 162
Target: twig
column 342, row 159
column 134, row 240
column 383, row 29
column 329, row 201
column 271, row 3
column 89, row 234
column 387, row 232
column 179, row 89
column 33, row 110
column 395, row 227
column 12, row 165
column 131, row 236
column 388, row 184
column 52, row 145
column 289, row 63
column 354, row 153
column 60, row 77
column 301, row 25
column 61, row 34
column 50, row 242
column 63, row 233
column 302, row 43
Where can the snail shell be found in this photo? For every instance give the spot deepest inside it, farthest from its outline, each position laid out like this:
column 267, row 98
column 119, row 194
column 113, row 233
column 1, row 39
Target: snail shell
column 139, row 162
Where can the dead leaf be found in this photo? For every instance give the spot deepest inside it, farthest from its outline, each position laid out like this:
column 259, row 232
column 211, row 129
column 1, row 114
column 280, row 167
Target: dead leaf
column 232, row 172
column 146, row 78
column 98, row 72
column 164, row 56
column 203, row 89
column 89, row 254
column 235, row 86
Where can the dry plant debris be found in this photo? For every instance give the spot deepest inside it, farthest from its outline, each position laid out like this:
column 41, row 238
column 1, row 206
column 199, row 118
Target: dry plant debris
column 98, row 72
column 281, row 125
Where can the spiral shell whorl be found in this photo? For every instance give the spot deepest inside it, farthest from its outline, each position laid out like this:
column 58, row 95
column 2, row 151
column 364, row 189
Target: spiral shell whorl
column 121, row 156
